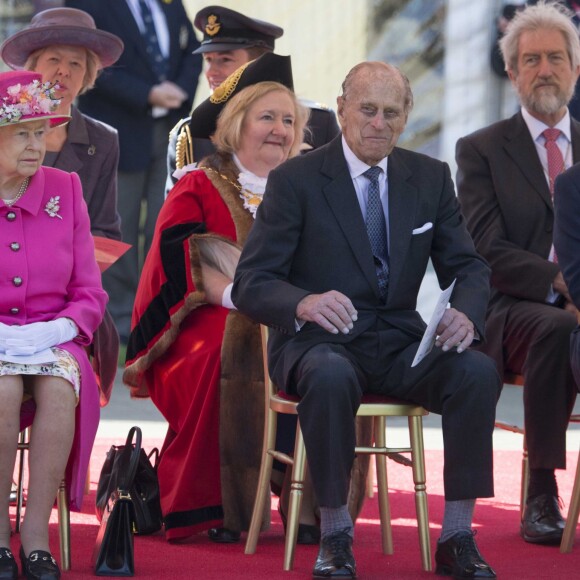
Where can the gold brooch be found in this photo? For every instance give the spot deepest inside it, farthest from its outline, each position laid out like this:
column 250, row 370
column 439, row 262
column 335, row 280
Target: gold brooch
column 213, row 26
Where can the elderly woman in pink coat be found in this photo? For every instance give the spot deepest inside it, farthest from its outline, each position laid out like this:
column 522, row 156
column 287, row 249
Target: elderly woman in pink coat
column 51, row 301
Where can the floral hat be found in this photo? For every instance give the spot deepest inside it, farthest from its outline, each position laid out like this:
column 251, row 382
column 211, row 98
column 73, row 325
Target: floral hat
column 24, row 97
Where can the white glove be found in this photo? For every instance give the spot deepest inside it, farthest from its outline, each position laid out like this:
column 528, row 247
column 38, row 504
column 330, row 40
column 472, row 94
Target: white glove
column 38, row 336
column 7, row 333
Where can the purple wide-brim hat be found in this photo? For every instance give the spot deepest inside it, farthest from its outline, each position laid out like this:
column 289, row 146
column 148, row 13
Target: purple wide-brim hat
column 61, row 26
column 24, row 97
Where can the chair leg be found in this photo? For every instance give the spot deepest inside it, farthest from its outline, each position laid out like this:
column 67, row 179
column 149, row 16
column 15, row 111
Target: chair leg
column 419, row 479
column 383, row 486
column 296, row 491
column 525, row 478
column 371, row 481
column 573, row 512
column 20, row 492
column 263, row 482
column 63, row 526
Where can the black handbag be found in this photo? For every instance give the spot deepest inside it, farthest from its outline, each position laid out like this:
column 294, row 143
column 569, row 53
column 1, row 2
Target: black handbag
column 114, row 551
column 143, row 487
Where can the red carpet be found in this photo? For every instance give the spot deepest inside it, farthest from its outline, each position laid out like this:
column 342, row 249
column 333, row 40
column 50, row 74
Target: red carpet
column 496, row 520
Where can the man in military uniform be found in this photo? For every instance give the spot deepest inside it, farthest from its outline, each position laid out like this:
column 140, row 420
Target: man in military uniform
column 230, row 40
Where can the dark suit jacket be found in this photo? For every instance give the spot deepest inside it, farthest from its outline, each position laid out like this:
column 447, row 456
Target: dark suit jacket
column 310, row 237
column 92, row 151
column 120, row 94
column 505, row 198
column 567, row 244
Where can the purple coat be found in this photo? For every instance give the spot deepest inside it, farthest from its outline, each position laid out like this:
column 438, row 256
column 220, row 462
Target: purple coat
column 49, row 271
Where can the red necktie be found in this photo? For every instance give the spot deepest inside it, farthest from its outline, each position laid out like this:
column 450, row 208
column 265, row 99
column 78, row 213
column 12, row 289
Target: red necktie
column 555, row 159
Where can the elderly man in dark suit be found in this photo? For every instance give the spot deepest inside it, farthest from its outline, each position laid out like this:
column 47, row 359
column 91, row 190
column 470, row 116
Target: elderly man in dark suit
column 505, row 181
column 148, row 90
column 333, row 265
column 567, row 246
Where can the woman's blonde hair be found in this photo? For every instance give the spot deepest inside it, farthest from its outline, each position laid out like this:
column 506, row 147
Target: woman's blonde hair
column 228, row 135
column 93, row 66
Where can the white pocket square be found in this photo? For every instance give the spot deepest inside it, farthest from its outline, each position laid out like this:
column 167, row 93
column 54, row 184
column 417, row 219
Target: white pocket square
column 422, row 229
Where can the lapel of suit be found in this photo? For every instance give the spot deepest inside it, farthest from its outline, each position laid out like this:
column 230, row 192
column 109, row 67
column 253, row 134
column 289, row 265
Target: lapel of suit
column 402, row 202
column 520, row 147
column 68, row 159
column 341, row 197
column 575, row 134
column 131, row 33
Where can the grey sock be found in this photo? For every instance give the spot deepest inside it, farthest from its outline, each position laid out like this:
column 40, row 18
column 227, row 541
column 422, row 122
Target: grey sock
column 335, row 520
column 457, row 518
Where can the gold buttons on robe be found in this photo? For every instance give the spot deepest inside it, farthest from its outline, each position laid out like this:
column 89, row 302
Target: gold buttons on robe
column 10, row 216
column 15, row 246
column 17, row 281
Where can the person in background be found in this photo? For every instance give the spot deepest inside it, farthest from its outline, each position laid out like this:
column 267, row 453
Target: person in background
column 64, row 46
column 333, row 265
column 505, row 183
column 149, row 89
column 197, row 357
column 567, row 246
column 230, row 40
column 51, row 301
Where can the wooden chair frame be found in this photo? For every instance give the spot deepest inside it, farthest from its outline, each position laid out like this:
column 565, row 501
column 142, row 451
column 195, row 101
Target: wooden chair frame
column 379, row 411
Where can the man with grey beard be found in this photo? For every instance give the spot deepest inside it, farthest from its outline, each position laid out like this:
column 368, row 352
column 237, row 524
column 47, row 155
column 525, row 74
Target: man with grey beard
column 505, row 183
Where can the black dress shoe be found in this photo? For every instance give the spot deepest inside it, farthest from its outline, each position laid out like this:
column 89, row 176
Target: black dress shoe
column 223, row 536
column 335, row 558
column 8, row 566
column 39, row 565
column 308, row 535
column 459, row 558
column 542, row 522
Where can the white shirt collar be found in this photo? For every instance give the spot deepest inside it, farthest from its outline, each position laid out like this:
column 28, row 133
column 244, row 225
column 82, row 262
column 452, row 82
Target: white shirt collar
column 537, row 127
column 356, row 167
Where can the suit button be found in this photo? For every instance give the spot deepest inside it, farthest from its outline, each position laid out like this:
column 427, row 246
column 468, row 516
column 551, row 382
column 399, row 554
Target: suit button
column 10, row 216
column 17, row 281
column 14, row 310
column 15, row 246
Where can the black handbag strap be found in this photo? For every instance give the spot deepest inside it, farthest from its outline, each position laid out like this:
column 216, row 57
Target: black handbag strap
column 128, row 475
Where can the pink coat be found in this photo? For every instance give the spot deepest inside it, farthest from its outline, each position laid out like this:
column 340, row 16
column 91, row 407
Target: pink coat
column 47, row 271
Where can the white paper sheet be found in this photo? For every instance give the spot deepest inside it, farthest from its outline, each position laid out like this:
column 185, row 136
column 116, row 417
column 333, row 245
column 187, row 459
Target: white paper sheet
column 44, row 356
column 430, row 335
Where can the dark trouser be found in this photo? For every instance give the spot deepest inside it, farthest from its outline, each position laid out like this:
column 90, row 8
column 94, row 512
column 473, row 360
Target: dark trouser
column 134, row 189
column 537, row 345
column 463, row 388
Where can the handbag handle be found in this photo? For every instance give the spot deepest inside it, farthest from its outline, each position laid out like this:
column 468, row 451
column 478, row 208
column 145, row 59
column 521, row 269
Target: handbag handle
column 128, row 475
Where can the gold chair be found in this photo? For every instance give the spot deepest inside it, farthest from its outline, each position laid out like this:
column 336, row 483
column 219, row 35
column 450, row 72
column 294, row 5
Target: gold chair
column 573, row 512
column 61, row 503
column 518, row 380
column 379, row 408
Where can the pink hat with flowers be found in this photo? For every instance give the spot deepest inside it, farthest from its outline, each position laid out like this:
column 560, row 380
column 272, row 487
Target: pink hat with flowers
column 24, row 97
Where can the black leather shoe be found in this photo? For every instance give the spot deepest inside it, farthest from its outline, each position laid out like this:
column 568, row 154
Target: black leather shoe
column 459, row 558
column 39, row 565
column 223, row 536
column 8, row 566
column 335, row 558
column 542, row 522
column 308, row 535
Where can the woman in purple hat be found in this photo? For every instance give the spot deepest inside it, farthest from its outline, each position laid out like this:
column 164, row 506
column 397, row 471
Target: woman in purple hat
column 65, row 47
column 51, row 301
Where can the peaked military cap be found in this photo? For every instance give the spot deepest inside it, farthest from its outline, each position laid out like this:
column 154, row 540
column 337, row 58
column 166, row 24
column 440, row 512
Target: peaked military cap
column 224, row 29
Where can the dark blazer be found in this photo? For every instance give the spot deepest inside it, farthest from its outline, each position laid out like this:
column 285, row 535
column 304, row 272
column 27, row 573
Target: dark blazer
column 121, row 91
column 567, row 244
column 505, row 198
column 310, row 237
column 92, row 151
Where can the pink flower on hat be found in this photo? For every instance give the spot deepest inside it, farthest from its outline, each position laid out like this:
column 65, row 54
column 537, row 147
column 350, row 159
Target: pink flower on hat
column 22, row 100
